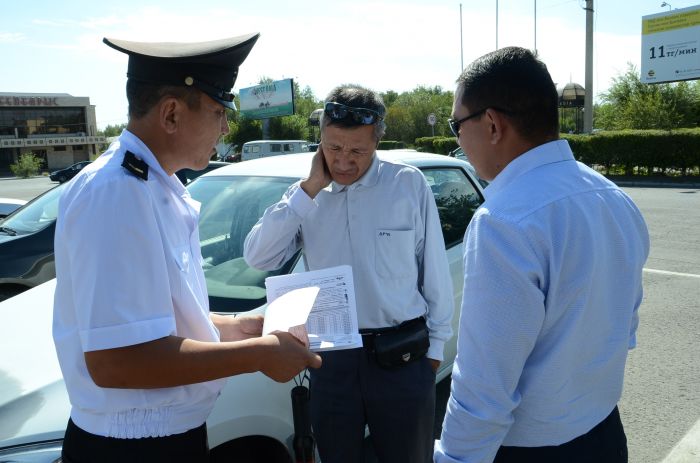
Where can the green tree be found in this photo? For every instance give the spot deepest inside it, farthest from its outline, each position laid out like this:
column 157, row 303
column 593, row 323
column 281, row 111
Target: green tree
column 27, row 165
column 408, row 113
column 632, row 104
column 113, row 130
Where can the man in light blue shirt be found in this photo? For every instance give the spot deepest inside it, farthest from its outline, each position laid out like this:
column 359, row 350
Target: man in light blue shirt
column 553, row 280
column 379, row 217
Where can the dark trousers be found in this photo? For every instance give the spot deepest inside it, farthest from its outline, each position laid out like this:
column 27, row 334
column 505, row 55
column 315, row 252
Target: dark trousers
column 80, row 446
column 350, row 391
column 605, row 443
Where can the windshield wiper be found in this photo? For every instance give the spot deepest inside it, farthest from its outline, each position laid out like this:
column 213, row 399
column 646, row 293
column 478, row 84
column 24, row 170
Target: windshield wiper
column 8, row 231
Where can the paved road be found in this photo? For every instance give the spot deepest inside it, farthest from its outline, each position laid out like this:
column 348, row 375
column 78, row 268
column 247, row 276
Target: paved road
column 25, row 188
column 661, row 399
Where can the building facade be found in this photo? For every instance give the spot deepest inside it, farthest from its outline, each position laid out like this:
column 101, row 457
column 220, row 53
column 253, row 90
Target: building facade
column 58, row 128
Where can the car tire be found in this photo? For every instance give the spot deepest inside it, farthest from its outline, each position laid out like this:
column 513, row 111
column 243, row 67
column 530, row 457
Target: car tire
column 62, row 179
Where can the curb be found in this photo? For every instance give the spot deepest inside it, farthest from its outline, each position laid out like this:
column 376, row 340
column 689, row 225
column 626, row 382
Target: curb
column 652, row 184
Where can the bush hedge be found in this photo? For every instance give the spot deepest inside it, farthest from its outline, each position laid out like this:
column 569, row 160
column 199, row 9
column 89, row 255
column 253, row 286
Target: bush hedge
column 439, row 145
column 391, row 145
column 639, row 151
column 632, row 152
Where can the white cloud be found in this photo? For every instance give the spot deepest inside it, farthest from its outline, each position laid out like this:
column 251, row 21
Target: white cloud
column 11, row 37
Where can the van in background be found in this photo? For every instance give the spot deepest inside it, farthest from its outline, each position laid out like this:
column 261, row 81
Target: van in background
column 264, row 148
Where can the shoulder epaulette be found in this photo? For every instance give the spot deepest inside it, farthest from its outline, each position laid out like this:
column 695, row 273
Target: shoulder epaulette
column 135, row 166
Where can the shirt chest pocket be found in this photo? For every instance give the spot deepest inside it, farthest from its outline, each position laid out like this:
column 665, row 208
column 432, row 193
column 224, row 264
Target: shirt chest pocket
column 395, row 253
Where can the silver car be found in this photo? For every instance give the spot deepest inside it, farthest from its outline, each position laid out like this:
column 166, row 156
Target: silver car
column 252, row 418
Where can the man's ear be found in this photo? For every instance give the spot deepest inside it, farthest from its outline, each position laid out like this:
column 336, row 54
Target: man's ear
column 169, row 114
column 497, row 125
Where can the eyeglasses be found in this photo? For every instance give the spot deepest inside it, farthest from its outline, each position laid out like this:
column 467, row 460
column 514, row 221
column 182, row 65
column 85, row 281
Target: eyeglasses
column 456, row 124
column 362, row 116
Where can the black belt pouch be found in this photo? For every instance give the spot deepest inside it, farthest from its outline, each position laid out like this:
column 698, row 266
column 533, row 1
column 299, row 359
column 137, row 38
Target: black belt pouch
column 397, row 346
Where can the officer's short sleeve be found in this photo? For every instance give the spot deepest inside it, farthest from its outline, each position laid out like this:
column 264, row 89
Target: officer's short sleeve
column 119, row 274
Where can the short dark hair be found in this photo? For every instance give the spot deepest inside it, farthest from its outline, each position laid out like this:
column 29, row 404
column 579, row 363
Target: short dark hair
column 516, row 81
column 356, row 96
column 143, row 96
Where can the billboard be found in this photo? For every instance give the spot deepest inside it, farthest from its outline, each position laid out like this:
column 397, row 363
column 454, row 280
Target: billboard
column 268, row 100
column 671, row 46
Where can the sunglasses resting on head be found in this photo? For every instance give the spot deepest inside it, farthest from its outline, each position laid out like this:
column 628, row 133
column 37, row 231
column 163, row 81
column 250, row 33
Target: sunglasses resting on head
column 362, row 116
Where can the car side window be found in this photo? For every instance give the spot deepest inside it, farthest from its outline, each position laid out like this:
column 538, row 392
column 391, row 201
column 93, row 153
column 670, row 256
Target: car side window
column 456, row 198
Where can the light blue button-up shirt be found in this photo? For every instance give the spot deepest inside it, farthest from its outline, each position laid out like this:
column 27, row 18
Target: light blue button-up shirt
column 386, row 226
column 553, row 280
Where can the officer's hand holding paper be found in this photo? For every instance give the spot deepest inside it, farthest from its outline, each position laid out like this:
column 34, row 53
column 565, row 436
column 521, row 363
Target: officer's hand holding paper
column 290, row 311
column 318, row 307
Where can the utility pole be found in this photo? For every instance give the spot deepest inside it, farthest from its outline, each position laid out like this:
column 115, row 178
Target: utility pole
column 588, row 99
column 461, row 41
column 535, row 26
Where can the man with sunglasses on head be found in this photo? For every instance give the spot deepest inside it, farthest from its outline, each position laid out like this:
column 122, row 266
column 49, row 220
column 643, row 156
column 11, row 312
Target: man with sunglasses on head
column 552, row 282
column 380, row 218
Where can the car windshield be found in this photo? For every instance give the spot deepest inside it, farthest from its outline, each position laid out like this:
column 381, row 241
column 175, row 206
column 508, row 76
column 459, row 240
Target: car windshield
column 230, row 208
column 35, row 215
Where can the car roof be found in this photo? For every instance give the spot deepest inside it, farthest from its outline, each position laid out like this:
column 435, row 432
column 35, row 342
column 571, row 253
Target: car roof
column 13, row 201
column 297, row 165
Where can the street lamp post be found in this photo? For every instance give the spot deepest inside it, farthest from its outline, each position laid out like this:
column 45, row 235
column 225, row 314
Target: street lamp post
column 666, row 4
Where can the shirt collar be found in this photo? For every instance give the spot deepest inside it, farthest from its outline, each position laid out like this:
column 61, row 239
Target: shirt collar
column 547, row 153
column 368, row 179
column 134, row 144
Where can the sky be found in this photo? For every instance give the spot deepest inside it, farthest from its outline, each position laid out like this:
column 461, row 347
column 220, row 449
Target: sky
column 47, row 46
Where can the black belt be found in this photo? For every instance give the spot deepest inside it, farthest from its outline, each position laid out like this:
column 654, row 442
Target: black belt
column 368, row 334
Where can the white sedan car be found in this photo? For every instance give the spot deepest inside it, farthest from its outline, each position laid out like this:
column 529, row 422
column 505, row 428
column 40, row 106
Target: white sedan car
column 252, row 419
column 9, row 205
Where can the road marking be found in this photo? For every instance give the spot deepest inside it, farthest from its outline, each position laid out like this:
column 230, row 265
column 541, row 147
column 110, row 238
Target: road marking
column 664, row 272
column 687, row 450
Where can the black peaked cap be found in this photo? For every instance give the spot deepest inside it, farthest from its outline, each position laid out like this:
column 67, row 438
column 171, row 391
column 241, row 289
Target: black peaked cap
column 211, row 67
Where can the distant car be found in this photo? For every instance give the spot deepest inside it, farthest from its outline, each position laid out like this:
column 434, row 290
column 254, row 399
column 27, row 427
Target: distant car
column 458, row 153
column 236, row 157
column 187, row 175
column 263, row 148
column 9, row 205
column 252, row 420
column 26, row 244
column 313, row 147
column 69, row 172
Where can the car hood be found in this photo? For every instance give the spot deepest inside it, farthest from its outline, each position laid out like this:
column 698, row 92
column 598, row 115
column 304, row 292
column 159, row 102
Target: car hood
column 4, row 237
column 34, row 403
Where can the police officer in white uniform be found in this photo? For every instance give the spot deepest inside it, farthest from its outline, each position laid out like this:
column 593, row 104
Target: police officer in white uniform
column 142, row 357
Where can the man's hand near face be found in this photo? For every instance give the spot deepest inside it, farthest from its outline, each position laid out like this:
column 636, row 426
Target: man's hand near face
column 319, row 176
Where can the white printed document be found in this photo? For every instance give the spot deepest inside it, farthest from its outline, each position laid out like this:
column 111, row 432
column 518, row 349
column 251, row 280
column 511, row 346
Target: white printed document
column 331, row 314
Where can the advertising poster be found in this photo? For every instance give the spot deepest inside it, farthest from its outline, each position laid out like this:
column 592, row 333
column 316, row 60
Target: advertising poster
column 671, row 46
column 268, row 100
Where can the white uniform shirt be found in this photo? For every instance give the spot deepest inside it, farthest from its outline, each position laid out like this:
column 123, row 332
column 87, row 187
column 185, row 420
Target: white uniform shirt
column 128, row 266
column 386, row 227
column 553, row 280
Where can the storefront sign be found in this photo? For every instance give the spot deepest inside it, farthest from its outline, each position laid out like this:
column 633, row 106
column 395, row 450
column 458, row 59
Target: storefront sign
column 28, row 101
